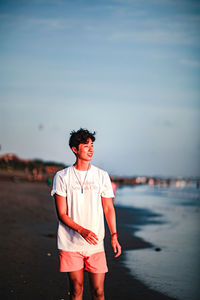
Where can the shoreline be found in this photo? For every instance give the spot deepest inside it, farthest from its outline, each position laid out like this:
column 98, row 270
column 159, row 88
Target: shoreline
column 29, row 260
column 127, row 286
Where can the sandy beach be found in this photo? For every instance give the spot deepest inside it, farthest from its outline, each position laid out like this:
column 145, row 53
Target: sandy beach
column 29, row 261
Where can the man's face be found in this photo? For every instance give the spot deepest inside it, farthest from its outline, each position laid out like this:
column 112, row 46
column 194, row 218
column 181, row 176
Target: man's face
column 85, row 151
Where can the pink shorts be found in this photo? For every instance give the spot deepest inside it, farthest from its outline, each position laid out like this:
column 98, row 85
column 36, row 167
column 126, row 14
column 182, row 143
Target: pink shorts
column 74, row 261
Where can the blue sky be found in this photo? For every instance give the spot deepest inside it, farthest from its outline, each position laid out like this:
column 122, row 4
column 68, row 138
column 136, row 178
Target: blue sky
column 129, row 70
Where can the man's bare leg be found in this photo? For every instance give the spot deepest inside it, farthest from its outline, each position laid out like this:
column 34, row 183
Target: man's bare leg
column 76, row 284
column 97, row 285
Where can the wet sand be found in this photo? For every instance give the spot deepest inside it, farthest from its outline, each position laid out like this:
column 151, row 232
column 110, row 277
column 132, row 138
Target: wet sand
column 29, row 261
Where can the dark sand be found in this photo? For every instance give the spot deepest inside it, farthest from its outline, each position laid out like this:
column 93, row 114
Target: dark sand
column 29, row 262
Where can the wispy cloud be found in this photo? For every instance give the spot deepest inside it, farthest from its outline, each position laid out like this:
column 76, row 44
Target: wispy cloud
column 131, row 22
column 190, row 63
column 160, row 36
column 52, row 23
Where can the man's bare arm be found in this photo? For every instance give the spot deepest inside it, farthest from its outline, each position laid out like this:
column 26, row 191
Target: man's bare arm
column 110, row 215
column 62, row 212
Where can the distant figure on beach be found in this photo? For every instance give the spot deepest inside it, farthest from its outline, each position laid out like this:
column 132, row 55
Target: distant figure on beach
column 114, row 187
column 83, row 195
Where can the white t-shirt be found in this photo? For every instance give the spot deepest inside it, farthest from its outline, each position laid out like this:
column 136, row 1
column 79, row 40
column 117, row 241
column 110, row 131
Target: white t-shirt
column 84, row 208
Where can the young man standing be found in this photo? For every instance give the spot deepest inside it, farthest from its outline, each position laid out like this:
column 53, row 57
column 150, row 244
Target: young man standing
column 83, row 195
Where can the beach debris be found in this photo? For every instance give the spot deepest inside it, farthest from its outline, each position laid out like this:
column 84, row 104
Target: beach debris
column 51, row 235
column 48, row 254
column 158, row 249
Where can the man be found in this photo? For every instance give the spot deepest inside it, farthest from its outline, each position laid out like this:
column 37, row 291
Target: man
column 83, row 195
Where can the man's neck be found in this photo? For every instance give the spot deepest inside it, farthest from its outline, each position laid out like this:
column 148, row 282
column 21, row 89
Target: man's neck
column 82, row 165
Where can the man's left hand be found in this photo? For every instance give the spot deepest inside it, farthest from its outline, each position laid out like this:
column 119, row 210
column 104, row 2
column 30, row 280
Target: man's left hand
column 116, row 246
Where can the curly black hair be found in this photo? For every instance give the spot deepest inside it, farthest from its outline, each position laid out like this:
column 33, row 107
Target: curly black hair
column 80, row 137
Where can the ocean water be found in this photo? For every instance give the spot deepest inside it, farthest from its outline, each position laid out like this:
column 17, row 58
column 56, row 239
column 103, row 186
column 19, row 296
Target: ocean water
column 175, row 270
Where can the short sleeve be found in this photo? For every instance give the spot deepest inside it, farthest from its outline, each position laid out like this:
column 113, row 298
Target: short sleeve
column 107, row 190
column 59, row 185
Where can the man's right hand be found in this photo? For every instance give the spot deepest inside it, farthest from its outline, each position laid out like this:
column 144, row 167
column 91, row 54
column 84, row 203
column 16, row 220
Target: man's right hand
column 88, row 235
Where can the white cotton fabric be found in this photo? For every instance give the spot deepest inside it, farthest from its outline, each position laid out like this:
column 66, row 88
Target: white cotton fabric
column 84, row 208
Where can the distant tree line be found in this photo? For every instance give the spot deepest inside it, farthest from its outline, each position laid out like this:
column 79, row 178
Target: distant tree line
column 13, row 162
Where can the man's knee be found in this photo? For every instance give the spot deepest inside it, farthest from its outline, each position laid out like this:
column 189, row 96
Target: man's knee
column 77, row 288
column 98, row 292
